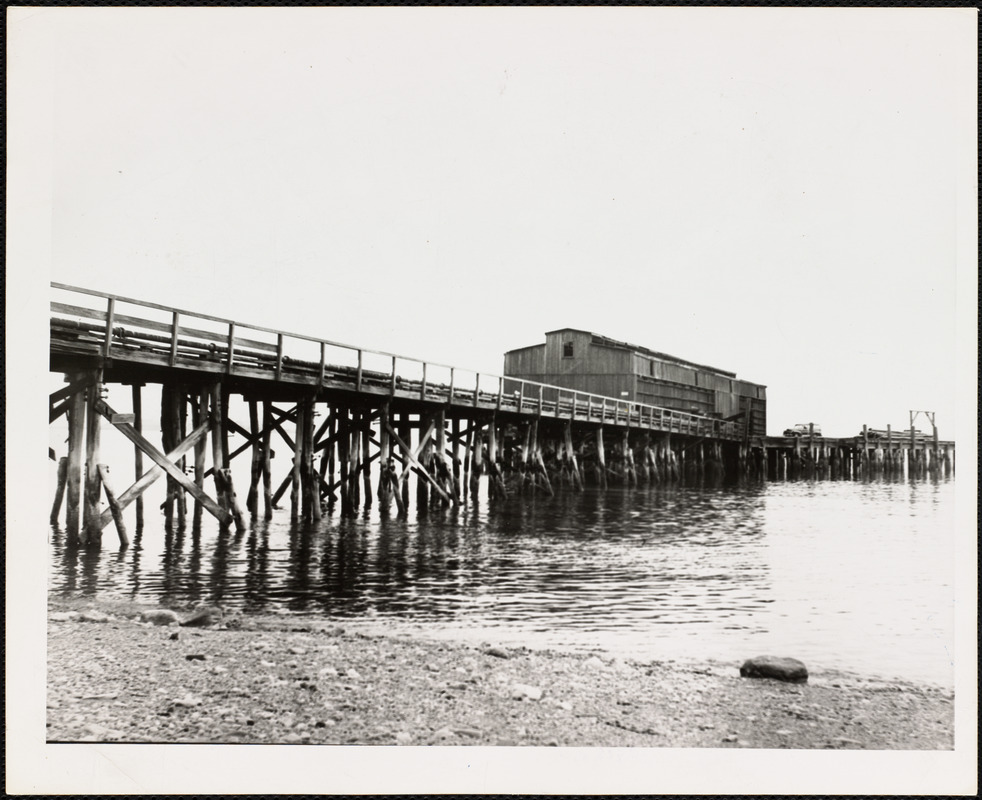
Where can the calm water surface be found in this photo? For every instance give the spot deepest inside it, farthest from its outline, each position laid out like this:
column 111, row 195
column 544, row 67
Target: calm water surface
column 844, row 575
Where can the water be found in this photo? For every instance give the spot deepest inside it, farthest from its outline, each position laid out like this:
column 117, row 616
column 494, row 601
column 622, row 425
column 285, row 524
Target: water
column 843, row 575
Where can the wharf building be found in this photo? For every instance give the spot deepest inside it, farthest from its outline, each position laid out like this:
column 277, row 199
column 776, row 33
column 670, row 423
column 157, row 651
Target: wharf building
column 589, row 362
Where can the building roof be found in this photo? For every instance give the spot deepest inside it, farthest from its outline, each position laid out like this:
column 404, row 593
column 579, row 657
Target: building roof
column 606, row 341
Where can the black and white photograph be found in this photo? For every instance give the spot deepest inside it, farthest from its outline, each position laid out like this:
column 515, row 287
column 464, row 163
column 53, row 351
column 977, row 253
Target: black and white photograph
column 545, row 400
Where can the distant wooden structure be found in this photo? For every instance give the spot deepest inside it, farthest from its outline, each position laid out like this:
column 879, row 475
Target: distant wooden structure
column 590, row 362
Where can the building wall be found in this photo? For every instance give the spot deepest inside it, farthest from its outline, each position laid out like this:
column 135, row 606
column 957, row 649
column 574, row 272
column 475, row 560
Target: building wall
column 572, row 359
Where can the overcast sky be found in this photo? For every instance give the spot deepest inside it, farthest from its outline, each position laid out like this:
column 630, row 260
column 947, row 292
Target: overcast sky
column 773, row 192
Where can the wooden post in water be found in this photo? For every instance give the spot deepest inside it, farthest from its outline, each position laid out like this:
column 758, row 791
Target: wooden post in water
column 331, row 455
column 266, row 457
column 113, row 505
column 601, row 459
column 455, row 435
column 344, row 445
column 492, row 467
column 217, row 459
column 179, row 432
column 137, row 452
column 571, row 455
column 60, row 491
column 366, row 465
column 167, row 441
column 252, row 499
column 385, row 454
column 298, row 437
column 468, row 445
column 90, row 517
column 477, row 458
column 404, row 433
column 199, row 414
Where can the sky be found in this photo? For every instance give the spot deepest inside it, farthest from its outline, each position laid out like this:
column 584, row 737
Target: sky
column 789, row 194
column 773, row 193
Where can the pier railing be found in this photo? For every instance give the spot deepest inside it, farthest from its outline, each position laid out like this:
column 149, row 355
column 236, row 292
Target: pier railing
column 90, row 323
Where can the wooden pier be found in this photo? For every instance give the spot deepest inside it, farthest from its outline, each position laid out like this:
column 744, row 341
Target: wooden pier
column 360, row 424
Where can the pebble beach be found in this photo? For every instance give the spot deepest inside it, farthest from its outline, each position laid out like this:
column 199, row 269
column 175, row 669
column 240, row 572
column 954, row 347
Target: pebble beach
column 116, row 674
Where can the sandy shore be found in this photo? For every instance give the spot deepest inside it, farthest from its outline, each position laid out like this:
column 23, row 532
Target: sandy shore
column 296, row 680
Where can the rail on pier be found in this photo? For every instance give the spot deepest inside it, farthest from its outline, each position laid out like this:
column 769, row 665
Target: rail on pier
column 87, row 323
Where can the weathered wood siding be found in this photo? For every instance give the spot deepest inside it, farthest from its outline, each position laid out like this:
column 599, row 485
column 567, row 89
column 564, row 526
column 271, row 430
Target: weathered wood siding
column 580, row 360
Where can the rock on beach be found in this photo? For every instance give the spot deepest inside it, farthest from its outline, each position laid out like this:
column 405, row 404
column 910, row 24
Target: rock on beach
column 779, row 668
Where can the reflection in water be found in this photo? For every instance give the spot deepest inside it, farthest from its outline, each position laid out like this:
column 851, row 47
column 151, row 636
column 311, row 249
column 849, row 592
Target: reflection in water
column 660, row 571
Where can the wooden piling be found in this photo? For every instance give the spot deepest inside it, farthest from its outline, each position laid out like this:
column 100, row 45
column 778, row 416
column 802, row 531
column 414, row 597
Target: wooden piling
column 60, row 491
column 297, row 461
column 354, row 460
column 404, row 433
column 178, row 433
column 198, row 416
column 137, row 452
column 366, row 466
column 601, row 459
column 90, row 517
column 252, row 499
column 344, row 445
column 234, row 507
column 384, row 459
column 455, row 435
column 117, row 512
column 217, row 458
column 477, row 458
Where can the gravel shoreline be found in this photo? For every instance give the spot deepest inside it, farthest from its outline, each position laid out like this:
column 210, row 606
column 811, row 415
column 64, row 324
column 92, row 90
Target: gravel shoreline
column 281, row 680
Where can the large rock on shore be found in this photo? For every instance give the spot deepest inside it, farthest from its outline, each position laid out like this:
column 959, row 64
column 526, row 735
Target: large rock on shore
column 779, row 668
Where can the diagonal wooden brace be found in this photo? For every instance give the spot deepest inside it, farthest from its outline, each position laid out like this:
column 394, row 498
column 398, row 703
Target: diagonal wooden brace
column 165, row 463
column 415, row 461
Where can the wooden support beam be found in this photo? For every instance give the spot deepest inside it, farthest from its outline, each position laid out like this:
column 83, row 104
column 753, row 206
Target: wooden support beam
column 366, row 472
column 385, row 467
column 266, row 456
column 344, row 463
column 114, row 509
column 91, row 531
column 218, row 418
column 137, row 453
column 56, row 411
column 60, row 491
column 178, row 418
column 412, row 458
column 414, row 455
column 254, row 441
column 74, row 387
column 297, row 459
column 76, row 444
column 199, row 417
column 164, row 464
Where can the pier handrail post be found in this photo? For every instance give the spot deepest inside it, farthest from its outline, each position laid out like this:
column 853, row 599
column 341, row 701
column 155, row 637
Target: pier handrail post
column 521, row 395
column 231, row 348
column 392, row 384
column 358, row 377
column 279, row 355
column 175, row 327
column 110, row 310
column 477, row 387
column 501, row 390
column 320, row 371
column 450, row 393
column 540, row 399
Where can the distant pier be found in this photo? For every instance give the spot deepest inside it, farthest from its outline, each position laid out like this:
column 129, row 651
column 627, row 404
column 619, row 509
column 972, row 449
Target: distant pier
column 361, row 425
